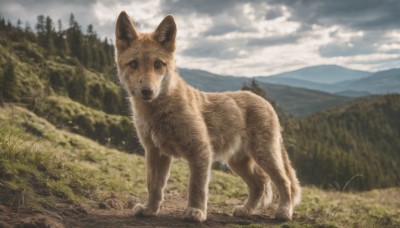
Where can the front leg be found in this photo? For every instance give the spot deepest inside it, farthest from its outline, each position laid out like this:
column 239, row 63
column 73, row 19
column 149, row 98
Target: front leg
column 200, row 166
column 158, row 166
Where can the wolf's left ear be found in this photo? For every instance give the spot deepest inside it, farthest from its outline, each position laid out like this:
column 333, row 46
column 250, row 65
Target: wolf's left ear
column 166, row 32
column 125, row 32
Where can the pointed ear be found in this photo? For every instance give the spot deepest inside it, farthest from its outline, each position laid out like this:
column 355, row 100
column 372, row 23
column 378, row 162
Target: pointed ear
column 125, row 32
column 166, row 32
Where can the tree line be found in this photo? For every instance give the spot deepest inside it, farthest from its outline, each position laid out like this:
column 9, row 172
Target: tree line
column 87, row 47
column 38, row 68
column 70, row 46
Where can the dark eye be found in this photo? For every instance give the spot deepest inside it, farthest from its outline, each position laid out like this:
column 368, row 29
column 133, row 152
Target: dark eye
column 158, row 64
column 134, row 64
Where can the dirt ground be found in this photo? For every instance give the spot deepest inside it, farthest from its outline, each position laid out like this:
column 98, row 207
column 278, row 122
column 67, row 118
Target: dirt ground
column 114, row 216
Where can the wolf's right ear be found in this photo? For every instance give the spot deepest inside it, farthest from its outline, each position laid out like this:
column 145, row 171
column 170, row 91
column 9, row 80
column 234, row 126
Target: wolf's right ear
column 125, row 32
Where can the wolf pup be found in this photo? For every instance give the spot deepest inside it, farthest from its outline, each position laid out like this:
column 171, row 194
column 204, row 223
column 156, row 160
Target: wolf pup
column 173, row 119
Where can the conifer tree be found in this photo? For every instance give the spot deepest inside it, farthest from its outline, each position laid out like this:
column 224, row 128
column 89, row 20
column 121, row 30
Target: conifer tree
column 40, row 24
column 10, row 84
column 60, row 40
column 49, row 36
column 2, row 23
column 19, row 24
column 75, row 38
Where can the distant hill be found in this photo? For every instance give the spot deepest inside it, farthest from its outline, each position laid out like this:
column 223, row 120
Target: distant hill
column 381, row 82
column 350, row 83
column 293, row 82
column 300, row 101
column 297, row 101
column 351, row 93
column 359, row 139
column 325, row 74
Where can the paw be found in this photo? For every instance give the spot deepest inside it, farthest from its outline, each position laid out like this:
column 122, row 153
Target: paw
column 284, row 213
column 241, row 211
column 194, row 215
column 143, row 210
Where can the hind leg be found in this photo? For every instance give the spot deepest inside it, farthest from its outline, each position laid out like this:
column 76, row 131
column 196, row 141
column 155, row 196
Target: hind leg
column 268, row 156
column 256, row 180
column 291, row 173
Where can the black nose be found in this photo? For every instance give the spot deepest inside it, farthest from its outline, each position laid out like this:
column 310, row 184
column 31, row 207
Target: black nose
column 147, row 92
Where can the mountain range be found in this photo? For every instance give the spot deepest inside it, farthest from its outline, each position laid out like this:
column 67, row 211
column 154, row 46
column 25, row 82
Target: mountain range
column 305, row 90
column 296, row 101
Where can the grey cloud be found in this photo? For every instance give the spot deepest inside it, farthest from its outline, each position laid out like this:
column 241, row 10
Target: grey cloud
column 207, row 7
column 275, row 40
column 393, row 51
column 224, row 28
column 29, row 10
column 367, row 44
column 343, row 49
column 216, row 49
column 273, row 13
column 220, row 29
column 226, row 16
column 380, row 64
column 357, row 14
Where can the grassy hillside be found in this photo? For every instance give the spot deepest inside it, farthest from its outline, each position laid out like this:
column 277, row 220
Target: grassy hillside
column 63, row 87
column 59, row 171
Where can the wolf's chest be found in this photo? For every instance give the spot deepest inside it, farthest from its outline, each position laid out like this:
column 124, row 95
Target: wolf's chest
column 161, row 133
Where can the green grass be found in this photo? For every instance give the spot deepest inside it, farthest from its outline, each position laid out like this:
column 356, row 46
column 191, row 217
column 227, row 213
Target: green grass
column 43, row 165
column 68, row 166
column 105, row 128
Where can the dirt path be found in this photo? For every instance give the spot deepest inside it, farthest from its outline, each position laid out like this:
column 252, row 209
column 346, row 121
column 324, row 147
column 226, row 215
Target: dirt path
column 170, row 216
column 166, row 219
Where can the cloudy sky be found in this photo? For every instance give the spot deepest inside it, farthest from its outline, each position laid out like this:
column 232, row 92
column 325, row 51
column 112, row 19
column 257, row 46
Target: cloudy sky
column 248, row 38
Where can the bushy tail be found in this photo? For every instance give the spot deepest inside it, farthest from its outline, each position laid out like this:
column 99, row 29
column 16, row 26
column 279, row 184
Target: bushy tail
column 291, row 173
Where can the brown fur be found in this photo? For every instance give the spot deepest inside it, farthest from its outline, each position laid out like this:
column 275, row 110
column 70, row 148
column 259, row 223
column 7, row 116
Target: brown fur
column 173, row 119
